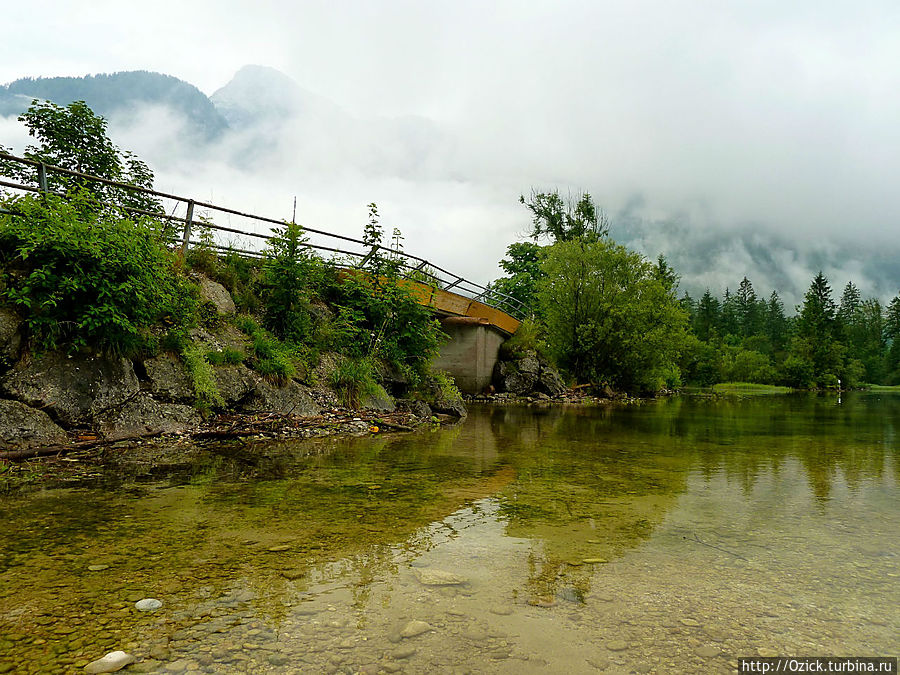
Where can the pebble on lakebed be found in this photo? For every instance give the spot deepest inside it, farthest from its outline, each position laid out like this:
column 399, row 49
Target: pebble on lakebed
column 148, row 604
column 110, row 663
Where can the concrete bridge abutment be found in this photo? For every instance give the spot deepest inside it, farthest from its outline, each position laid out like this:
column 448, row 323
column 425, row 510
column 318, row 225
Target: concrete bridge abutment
column 470, row 355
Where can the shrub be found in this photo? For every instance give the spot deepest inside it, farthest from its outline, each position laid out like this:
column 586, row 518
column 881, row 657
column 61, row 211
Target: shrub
column 205, row 388
column 82, row 277
column 354, row 380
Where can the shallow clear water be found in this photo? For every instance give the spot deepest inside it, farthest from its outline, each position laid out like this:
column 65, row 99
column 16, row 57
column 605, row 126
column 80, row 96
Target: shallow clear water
column 674, row 536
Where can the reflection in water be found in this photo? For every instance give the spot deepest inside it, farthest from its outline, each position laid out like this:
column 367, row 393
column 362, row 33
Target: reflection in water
column 669, row 537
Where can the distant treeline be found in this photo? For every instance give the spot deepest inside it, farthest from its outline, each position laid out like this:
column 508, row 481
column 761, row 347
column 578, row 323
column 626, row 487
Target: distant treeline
column 742, row 337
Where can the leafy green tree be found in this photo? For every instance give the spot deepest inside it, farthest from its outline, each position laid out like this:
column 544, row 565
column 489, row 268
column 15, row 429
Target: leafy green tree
column 608, row 318
column 564, row 219
column 73, row 137
column 523, row 265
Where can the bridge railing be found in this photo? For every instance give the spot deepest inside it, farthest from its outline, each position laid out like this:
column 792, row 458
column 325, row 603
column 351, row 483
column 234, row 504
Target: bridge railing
column 193, row 223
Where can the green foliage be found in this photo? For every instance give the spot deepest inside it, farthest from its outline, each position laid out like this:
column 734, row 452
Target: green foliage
column 82, row 277
column 354, row 380
column 609, row 318
column 204, row 382
column 523, row 265
column 565, row 220
column 225, row 356
column 528, row 338
column 73, row 137
column 269, row 356
column 289, row 274
column 447, row 391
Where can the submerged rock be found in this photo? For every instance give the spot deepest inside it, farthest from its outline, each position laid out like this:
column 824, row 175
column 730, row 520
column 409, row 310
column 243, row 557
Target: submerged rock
column 110, row 663
column 148, row 604
column 432, row 577
column 414, row 628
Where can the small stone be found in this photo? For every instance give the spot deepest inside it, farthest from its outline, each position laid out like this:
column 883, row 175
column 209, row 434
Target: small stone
column 432, row 577
column 279, row 549
column 148, row 604
column 110, row 663
column 414, row 628
column 502, row 610
column 291, row 575
column 767, row 653
column 690, row 622
column 403, row 652
column 97, row 568
column 594, row 561
column 617, row 645
column 160, row 653
column 707, row 651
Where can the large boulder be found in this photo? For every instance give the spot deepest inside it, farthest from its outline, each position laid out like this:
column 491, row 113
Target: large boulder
column 414, row 406
column 377, row 400
column 74, row 388
column 142, row 415
column 24, row 427
column 549, row 381
column 169, row 379
column 234, row 383
column 288, row 399
column 215, row 293
column 10, row 338
column 508, row 378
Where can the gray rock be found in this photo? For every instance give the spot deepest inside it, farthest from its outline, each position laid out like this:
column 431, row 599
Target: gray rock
column 72, row 389
column 529, row 365
column 234, row 382
column 169, row 379
column 143, row 415
column 414, row 628
column 549, row 381
column 10, row 338
column 377, row 400
column 417, row 408
column 434, row 577
column 110, row 663
column 288, row 399
column 148, row 604
column 214, row 292
column 24, row 427
column 403, row 653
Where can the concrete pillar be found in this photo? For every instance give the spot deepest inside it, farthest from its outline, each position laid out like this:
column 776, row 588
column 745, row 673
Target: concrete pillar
column 471, row 353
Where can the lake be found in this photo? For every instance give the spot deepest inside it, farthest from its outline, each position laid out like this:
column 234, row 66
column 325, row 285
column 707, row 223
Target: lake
column 671, row 536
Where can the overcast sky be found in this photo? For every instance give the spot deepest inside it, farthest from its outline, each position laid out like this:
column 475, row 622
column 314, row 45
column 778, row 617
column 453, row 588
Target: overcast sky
column 707, row 119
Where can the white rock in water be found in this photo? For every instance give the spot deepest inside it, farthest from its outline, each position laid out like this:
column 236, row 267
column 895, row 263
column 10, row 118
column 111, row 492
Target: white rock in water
column 430, row 577
column 414, row 628
column 110, row 663
column 148, row 604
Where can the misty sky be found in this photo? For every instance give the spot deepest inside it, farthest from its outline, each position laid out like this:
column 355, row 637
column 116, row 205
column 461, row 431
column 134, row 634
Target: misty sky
column 756, row 138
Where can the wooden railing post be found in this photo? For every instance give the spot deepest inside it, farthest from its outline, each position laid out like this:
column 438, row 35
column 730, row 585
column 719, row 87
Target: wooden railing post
column 189, row 216
column 42, row 177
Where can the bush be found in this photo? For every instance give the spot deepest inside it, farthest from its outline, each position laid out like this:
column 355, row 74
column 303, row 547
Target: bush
column 202, row 376
column 81, row 277
column 354, row 380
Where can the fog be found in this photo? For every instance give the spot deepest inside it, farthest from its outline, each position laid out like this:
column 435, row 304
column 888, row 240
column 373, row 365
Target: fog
column 738, row 139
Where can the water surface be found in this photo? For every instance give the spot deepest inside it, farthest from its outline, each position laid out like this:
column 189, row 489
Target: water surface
column 674, row 536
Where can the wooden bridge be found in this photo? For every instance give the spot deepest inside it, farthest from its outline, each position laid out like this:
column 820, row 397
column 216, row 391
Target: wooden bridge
column 477, row 317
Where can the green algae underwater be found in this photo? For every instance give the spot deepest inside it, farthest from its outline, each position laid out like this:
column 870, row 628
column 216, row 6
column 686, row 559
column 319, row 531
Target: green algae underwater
column 672, row 536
